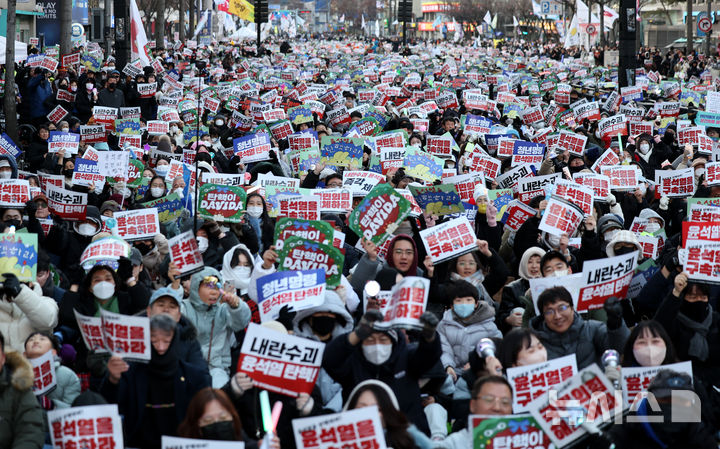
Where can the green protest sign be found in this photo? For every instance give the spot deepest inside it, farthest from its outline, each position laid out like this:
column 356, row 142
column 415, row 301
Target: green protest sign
column 299, row 254
column 315, row 230
column 379, row 213
column 221, row 203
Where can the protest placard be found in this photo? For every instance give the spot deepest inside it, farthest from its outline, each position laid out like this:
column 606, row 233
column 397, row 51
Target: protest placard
column 223, row 179
column 61, row 141
column 358, row 428
column 169, row 207
column 66, row 204
column 221, row 203
column 439, row 200
column 253, row 147
column 422, row 165
column 527, row 153
column 268, row 179
column 297, row 289
column 379, row 213
column 560, row 217
column 280, row 362
column 299, row 254
column 95, row 426
column 407, row 302
column 360, row 183
column 586, row 397
column 334, row 200
column 636, row 379
column 701, row 260
column 507, row 431
column 57, row 114
column 341, row 151
column 576, row 194
column 139, row 224
column 600, row 184
column 19, row 255
column 314, row 230
column 517, row 213
column 572, row 283
column 622, row 177
column 168, row 442
column 113, row 163
column 449, row 239
column 44, row 379
column 7, row 146
column 675, row 183
column 14, row 192
column 529, row 382
column 604, row 278
column 106, row 248
column 304, row 206
column 122, row 335
column 532, row 186
column 185, row 253
column 92, row 133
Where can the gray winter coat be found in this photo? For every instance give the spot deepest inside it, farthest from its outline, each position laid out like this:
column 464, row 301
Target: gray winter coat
column 459, row 340
column 587, row 339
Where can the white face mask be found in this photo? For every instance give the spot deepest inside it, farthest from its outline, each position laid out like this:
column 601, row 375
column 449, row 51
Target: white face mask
column 650, row 355
column 202, row 244
column 173, row 129
column 610, row 234
column 86, row 229
column 89, row 86
column 103, row 290
column 560, row 273
column 156, row 192
column 5, row 174
column 255, row 211
column 65, row 130
column 553, row 240
column 377, row 354
column 699, row 172
column 219, row 123
column 652, row 227
column 644, row 148
column 179, row 192
column 162, row 170
column 242, row 277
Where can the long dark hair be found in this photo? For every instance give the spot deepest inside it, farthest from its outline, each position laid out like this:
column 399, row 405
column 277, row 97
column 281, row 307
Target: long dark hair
column 396, row 423
column 190, row 427
column 656, row 330
column 515, row 341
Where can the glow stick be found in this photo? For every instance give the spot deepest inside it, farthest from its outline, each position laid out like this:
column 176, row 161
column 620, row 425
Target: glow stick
column 265, row 410
column 277, row 408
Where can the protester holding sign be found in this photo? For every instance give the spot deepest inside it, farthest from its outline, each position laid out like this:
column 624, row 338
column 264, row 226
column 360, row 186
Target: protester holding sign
column 512, row 305
column 67, row 383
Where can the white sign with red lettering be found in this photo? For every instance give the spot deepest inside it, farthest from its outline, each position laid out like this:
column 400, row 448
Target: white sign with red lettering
column 573, row 142
column 572, row 283
column 358, row 428
column 712, row 173
column 465, row 184
column 575, row 193
column 600, row 184
column 138, row 224
column 306, row 207
column 675, row 183
column 529, row 188
column 334, row 200
column 482, row 163
column 279, row 362
column 701, row 260
column 450, row 239
column 158, row 127
column 560, row 217
column 650, row 245
column 407, row 303
column 622, row 177
column 43, row 374
column 604, row 278
column 185, row 253
column 532, row 381
column 361, row 183
column 95, row 426
column 14, row 192
column 608, row 158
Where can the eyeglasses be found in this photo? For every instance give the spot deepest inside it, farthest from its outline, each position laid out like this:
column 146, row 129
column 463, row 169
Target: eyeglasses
column 551, row 312
column 212, row 420
column 41, row 205
column 490, row 400
column 407, row 252
column 335, row 185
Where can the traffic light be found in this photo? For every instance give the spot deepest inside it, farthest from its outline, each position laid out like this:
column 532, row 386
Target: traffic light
column 261, row 11
column 405, row 11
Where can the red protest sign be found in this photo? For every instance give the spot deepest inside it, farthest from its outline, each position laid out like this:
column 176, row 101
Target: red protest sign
column 280, row 362
column 701, row 260
column 708, row 231
column 66, row 204
column 517, row 214
column 57, row 114
column 561, row 217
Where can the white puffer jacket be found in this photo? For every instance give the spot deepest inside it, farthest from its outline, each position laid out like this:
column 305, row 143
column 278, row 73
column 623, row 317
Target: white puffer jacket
column 30, row 311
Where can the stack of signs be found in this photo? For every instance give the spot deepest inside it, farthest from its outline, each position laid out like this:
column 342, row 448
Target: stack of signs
column 586, row 397
column 185, row 253
column 221, row 203
column 297, row 289
column 439, row 200
column 299, row 254
column 636, row 380
column 507, row 431
column 407, row 302
column 280, row 362
column 449, row 239
column 44, row 377
column 358, row 428
column 379, row 213
column 529, row 382
column 91, row 426
column 139, row 224
column 19, row 255
column 314, row 230
column 122, row 335
column 561, row 217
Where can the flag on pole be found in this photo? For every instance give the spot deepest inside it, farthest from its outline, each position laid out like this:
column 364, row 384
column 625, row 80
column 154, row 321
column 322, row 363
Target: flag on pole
column 137, row 36
column 515, row 21
column 342, row 19
column 201, row 23
column 363, row 22
column 243, row 9
column 494, row 22
column 488, row 18
column 377, row 28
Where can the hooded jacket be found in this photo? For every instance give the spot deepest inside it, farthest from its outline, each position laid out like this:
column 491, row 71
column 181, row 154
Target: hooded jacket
column 330, row 391
column 28, row 312
column 12, row 162
column 21, row 418
column 459, row 339
column 215, row 324
column 513, row 292
column 587, row 339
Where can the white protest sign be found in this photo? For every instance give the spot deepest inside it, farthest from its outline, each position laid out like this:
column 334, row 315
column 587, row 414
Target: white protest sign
column 138, row 224
column 606, row 277
column 43, row 374
column 636, row 379
column 560, row 217
column 191, row 443
column 185, row 253
column 96, row 426
column 531, row 381
column 449, row 239
column 572, row 283
column 407, row 303
column 358, row 428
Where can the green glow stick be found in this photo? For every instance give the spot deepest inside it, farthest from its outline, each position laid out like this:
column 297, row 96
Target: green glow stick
column 265, row 411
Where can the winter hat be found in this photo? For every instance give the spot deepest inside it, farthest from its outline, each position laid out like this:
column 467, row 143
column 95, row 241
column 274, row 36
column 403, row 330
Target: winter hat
column 164, row 145
column 206, row 166
column 532, row 251
column 109, row 205
column 165, row 291
column 4, row 163
column 378, row 383
column 649, row 213
column 480, row 190
column 623, row 236
column 275, row 325
column 609, row 221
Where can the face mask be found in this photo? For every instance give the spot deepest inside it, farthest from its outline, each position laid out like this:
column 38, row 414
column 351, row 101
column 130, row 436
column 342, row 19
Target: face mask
column 218, row 431
column 560, row 273
column 242, row 277
column 610, row 234
column 650, row 355
column 111, row 86
column 644, row 148
column 174, row 129
column 86, row 229
column 5, row 174
column 322, row 325
column 89, row 86
column 103, row 290
column 643, row 188
column 652, row 227
column 65, row 130
column 699, row 172
column 482, row 208
column 624, row 250
column 179, row 192
column 157, row 192
column 73, row 88
column 202, row 244
column 553, row 240
column 377, row 354
column 15, row 223
column 577, row 168
column 67, row 173
column 463, row 310
column 255, row 211
column 219, row 123
column 162, row 170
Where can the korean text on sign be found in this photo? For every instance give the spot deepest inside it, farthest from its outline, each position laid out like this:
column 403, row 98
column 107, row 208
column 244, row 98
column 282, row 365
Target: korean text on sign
column 531, row 381
column 360, row 428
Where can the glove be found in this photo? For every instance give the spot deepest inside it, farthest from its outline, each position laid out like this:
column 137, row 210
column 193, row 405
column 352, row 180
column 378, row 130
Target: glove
column 670, row 260
column 614, row 311
column 612, row 373
column 365, row 327
column 286, row 317
column 304, row 404
column 11, row 286
column 240, row 383
column 429, row 323
column 611, row 200
column 75, row 274
column 213, row 228
column 31, row 208
column 125, row 269
column 664, row 202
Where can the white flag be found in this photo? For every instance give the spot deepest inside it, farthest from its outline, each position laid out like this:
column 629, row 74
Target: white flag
column 488, row 18
column 342, row 19
column 137, row 36
column 363, row 22
column 515, row 21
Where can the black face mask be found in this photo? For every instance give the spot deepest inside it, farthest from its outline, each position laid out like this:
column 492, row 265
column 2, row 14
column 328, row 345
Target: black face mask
column 624, row 250
column 111, row 86
column 218, row 431
column 144, row 248
column 576, row 169
column 67, row 173
column 13, row 222
column 322, row 325
column 696, row 311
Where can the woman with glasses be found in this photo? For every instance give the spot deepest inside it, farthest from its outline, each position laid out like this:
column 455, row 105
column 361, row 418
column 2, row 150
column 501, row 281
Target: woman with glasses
column 217, row 312
column 563, row 331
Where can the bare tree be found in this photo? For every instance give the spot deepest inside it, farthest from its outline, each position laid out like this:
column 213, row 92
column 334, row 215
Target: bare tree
column 9, row 100
column 160, row 25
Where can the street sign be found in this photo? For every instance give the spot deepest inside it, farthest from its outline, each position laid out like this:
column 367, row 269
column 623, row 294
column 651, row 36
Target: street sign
column 704, row 24
column 551, row 8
